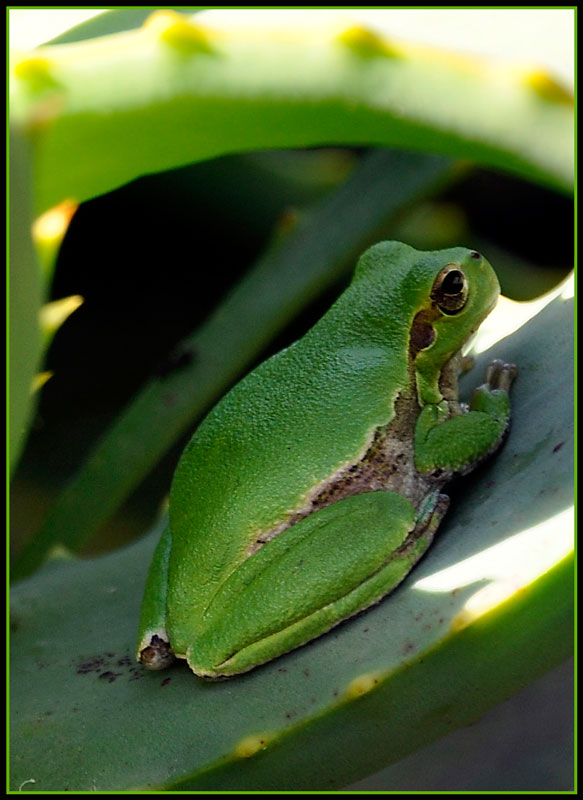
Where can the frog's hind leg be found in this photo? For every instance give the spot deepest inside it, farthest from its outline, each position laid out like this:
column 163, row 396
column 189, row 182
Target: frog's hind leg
column 154, row 650
column 402, row 561
column 322, row 570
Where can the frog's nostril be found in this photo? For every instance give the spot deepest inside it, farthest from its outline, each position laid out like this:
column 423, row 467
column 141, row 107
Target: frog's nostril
column 475, row 254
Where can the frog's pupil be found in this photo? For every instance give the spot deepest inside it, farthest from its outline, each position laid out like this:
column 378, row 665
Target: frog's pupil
column 453, row 283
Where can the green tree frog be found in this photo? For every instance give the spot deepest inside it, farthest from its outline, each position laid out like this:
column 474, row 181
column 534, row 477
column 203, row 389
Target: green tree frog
column 314, row 486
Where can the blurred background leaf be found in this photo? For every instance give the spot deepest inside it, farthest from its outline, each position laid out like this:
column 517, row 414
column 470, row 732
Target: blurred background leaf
column 25, row 298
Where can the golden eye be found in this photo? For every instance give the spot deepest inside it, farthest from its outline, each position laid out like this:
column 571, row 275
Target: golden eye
column 450, row 289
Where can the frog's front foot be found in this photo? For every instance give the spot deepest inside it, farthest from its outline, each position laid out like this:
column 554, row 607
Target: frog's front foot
column 499, row 375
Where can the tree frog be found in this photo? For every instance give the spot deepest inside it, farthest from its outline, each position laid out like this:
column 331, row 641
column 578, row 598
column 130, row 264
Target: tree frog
column 314, row 486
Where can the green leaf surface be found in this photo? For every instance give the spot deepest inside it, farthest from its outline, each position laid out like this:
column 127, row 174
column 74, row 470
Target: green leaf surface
column 102, row 112
column 25, row 296
column 486, row 611
column 111, row 21
column 326, row 243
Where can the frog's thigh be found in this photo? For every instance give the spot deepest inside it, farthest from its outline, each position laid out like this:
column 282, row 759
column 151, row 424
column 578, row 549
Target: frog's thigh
column 153, row 642
column 325, row 568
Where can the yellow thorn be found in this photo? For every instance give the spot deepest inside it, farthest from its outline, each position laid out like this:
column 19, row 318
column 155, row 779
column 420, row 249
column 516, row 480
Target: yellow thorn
column 177, row 31
column 546, row 86
column 160, row 20
column 484, row 602
column 51, row 226
column 52, row 315
column 362, row 685
column 40, row 379
column 37, row 72
column 48, row 232
column 60, row 553
column 33, row 68
column 250, row 745
column 367, row 43
column 461, row 620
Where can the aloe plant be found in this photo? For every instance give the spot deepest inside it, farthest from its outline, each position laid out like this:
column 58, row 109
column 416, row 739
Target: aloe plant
column 485, row 613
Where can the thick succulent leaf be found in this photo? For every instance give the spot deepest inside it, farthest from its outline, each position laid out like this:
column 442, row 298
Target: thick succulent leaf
column 326, row 242
column 25, row 297
column 32, row 257
column 104, row 111
column 63, row 25
column 487, row 610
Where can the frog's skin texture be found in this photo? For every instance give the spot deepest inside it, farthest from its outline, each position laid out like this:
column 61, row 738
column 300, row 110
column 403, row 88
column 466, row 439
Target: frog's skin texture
column 314, row 486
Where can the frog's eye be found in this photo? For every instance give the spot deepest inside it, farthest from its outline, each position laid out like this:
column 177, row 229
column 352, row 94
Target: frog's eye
column 450, row 289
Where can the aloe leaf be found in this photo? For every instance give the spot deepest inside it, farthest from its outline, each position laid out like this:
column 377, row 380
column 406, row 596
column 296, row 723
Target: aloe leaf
column 64, row 29
column 108, row 22
column 487, row 610
column 25, row 297
column 326, row 244
column 32, row 255
column 102, row 112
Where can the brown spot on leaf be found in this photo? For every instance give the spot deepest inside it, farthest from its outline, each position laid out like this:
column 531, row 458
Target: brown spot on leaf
column 108, row 666
column 110, row 676
column 94, row 664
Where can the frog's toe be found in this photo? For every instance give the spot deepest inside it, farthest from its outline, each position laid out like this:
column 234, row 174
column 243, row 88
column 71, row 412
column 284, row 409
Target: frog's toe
column 155, row 652
column 466, row 363
column 499, row 374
